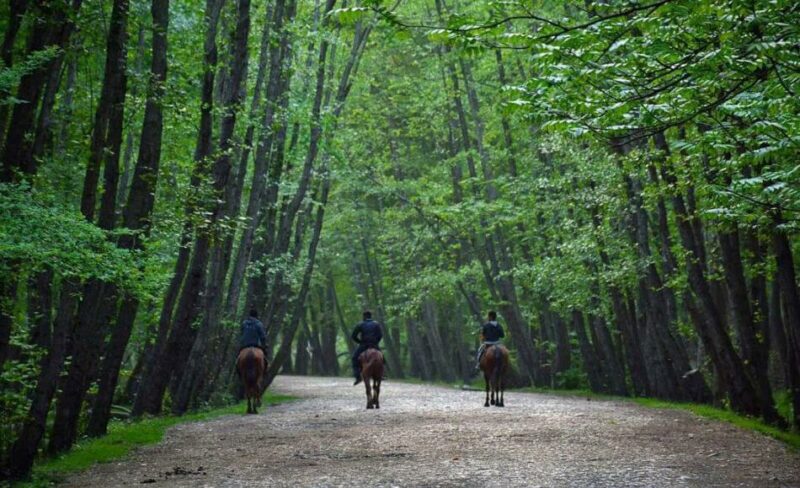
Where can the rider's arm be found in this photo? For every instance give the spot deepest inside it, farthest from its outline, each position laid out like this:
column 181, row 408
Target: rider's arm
column 262, row 334
column 356, row 333
column 502, row 334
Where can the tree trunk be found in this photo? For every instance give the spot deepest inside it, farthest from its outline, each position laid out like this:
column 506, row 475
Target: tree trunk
column 107, row 128
column 299, row 304
column 276, row 95
column 745, row 325
column 16, row 13
column 177, row 333
column 231, row 101
column 137, row 212
column 743, row 396
column 96, row 311
column 24, row 450
column 785, row 351
column 53, row 26
column 590, row 361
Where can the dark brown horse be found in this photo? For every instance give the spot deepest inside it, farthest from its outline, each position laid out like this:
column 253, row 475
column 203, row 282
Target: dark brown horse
column 250, row 364
column 494, row 365
column 372, row 369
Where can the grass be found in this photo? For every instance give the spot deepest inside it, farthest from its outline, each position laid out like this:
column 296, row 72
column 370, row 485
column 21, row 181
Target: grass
column 790, row 438
column 121, row 438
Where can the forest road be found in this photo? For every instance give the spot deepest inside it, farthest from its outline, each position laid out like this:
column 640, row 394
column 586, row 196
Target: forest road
column 434, row 436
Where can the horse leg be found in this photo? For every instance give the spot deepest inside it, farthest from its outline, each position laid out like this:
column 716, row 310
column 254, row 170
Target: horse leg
column 486, row 380
column 368, row 387
column 377, row 388
column 500, row 388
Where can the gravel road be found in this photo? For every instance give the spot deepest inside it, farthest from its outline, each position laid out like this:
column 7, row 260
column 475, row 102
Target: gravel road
column 432, row 436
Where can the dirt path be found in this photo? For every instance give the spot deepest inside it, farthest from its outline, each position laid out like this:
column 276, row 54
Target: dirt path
column 430, row 436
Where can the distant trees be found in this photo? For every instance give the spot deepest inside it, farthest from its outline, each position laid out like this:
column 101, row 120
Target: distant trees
column 617, row 203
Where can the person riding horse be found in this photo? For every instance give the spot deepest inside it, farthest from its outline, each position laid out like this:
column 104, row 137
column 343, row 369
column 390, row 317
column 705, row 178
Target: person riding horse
column 252, row 334
column 366, row 334
column 491, row 333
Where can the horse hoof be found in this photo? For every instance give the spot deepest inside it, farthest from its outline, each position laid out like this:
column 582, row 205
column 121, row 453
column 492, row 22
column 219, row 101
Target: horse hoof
column 485, row 404
column 369, row 407
column 500, row 405
column 493, row 402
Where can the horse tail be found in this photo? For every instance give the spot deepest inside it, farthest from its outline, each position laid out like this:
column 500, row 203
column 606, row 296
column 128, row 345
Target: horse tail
column 250, row 370
column 372, row 363
column 495, row 365
column 498, row 364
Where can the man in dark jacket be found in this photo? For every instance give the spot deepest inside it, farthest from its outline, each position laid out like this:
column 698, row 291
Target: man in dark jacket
column 253, row 334
column 491, row 333
column 366, row 334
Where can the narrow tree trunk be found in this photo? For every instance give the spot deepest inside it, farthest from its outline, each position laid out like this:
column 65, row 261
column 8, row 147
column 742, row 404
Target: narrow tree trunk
column 17, row 9
column 743, row 320
column 231, row 102
column 786, row 352
column 178, row 331
column 23, row 452
column 299, row 304
column 729, row 367
column 590, row 361
column 96, row 310
column 53, row 26
column 137, row 213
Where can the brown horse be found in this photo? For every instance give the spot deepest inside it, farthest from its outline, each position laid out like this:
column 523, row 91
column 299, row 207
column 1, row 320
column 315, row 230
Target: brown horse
column 494, row 365
column 372, row 369
column 250, row 364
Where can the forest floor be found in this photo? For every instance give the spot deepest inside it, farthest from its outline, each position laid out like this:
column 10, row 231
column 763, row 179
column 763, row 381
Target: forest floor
column 435, row 436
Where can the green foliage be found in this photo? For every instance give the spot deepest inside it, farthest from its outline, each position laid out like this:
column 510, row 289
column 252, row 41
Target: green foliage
column 792, row 439
column 10, row 76
column 39, row 234
column 17, row 383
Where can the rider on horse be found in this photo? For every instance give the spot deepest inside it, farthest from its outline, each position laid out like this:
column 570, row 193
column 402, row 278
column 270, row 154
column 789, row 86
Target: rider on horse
column 366, row 334
column 491, row 333
column 253, row 334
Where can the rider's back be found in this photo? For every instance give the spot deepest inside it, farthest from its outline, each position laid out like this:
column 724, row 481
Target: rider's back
column 492, row 331
column 371, row 332
column 252, row 333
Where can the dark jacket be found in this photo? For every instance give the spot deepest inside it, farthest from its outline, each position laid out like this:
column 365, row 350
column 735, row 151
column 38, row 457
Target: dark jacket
column 492, row 331
column 252, row 333
column 368, row 332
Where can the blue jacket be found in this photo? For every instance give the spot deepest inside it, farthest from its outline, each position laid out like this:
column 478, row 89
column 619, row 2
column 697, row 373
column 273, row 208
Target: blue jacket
column 368, row 332
column 492, row 331
column 252, row 333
